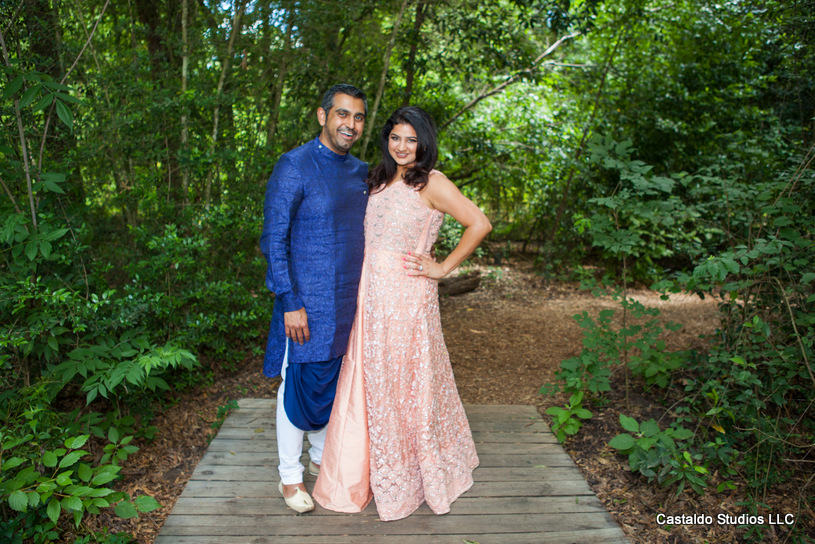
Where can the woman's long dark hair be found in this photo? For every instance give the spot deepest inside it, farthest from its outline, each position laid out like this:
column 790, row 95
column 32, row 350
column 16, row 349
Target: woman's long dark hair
column 427, row 150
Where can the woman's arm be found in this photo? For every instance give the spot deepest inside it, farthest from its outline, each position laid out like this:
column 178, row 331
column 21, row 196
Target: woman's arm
column 441, row 194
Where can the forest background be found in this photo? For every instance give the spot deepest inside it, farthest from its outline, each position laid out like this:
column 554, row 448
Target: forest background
column 665, row 143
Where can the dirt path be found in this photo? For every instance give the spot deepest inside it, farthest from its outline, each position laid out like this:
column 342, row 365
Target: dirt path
column 508, row 338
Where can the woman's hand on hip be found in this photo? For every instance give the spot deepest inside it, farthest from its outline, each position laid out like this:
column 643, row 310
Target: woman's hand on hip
column 423, row 265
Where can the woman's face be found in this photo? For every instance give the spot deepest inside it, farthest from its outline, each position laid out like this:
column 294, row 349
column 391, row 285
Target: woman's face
column 402, row 144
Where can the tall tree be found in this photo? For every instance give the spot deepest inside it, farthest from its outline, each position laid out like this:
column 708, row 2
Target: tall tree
column 225, row 65
column 386, row 60
column 410, row 69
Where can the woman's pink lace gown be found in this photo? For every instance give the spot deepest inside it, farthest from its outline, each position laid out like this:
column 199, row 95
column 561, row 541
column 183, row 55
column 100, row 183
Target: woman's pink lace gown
column 398, row 432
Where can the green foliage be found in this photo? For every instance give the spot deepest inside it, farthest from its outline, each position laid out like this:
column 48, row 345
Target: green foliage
column 45, row 475
column 109, row 364
column 755, row 380
column 749, row 394
column 180, row 288
column 104, row 537
column 590, row 371
column 641, row 222
column 638, row 343
column 658, row 454
column 567, row 420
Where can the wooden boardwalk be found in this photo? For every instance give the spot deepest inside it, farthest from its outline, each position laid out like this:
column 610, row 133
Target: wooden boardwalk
column 527, row 491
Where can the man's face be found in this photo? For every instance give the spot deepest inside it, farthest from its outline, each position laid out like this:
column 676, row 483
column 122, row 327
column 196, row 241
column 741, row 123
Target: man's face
column 343, row 124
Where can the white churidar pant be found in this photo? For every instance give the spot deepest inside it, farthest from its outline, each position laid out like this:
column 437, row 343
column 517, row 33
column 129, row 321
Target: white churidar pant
column 290, row 438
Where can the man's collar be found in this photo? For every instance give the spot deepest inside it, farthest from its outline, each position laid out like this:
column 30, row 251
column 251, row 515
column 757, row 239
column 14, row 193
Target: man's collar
column 324, row 151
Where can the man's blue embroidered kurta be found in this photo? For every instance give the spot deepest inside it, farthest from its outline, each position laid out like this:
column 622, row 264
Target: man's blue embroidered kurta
column 313, row 240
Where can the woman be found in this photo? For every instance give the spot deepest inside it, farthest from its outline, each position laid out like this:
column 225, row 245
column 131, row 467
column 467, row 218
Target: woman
column 398, row 432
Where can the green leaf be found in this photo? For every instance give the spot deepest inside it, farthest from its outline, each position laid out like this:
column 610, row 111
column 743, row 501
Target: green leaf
column 31, row 250
column 43, row 103
column 72, row 503
column 681, row 433
column 56, row 86
column 622, row 442
column 808, row 277
column 84, row 472
column 15, row 85
column 65, row 478
column 46, row 487
column 629, row 424
column 79, row 490
column 65, row 115
column 33, row 499
column 72, row 458
column 18, row 501
column 14, row 462
column 68, row 98
column 649, row 428
column 28, row 96
column 53, row 509
column 55, row 234
column 582, row 413
column 145, row 503
column 100, row 492
column 126, row 509
column 105, row 476
column 53, row 187
column 49, row 459
column 75, row 442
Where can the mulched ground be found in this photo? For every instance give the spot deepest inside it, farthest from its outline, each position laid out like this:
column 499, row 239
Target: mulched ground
column 506, row 339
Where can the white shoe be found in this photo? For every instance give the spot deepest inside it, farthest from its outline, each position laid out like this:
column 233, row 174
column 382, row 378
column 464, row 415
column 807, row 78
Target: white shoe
column 299, row 502
column 313, row 469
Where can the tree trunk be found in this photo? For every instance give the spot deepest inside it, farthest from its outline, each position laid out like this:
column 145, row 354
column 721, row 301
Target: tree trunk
column 185, row 169
column 283, row 66
column 23, row 143
column 459, row 285
column 149, row 14
column 386, row 61
column 414, row 45
column 236, row 22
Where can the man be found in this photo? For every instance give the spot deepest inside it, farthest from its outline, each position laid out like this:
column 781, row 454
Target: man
column 313, row 242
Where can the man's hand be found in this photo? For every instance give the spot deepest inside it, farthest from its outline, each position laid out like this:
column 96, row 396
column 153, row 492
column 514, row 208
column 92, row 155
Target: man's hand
column 296, row 324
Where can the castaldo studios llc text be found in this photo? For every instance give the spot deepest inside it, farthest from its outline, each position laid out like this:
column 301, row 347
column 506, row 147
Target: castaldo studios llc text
column 726, row 519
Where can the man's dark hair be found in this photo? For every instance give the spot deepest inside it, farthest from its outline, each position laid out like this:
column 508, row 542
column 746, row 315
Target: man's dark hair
column 342, row 88
column 427, row 151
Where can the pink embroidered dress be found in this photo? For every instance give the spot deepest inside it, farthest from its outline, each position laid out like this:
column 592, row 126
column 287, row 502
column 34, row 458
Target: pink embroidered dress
column 398, row 432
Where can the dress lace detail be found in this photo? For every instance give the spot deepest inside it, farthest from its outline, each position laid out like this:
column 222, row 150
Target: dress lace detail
column 420, row 444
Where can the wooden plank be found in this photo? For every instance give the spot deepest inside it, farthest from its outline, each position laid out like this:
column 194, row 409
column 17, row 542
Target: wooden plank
column 589, row 536
column 264, row 434
column 484, row 474
column 235, row 445
column 547, row 457
column 266, row 423
column 247, row 404
column 204, row 506
column 262, row 524
column 260, row 489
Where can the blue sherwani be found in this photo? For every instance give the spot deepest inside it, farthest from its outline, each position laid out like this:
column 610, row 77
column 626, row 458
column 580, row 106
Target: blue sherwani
column 313, row 241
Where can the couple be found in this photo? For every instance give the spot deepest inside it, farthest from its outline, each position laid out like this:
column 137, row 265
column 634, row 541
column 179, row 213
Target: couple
column 353, row 276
